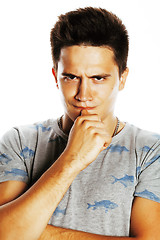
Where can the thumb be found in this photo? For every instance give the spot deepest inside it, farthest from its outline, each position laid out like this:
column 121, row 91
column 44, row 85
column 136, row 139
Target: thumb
column 84, row 112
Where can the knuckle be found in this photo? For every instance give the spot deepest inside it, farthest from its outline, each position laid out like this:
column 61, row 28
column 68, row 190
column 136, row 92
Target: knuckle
column 78, row 120
column 97, row 136
column 91, row 130
column 96, row 118
column 85, row 124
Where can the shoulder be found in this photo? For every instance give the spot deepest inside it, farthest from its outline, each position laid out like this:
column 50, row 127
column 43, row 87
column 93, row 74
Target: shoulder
column 141, row 137
column 24, row 134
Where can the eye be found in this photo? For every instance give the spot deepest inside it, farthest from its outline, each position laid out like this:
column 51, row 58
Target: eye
column 98, row 78
column 70, row 77
column 101, row 78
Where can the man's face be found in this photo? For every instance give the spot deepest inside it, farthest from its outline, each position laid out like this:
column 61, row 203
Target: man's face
column 88, row 77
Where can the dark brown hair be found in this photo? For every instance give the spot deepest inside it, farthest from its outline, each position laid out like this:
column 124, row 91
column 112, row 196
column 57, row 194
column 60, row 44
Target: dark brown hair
column 92, row 27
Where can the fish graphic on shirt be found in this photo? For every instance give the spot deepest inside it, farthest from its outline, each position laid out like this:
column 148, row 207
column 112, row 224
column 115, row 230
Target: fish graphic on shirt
column 146, row 149
column 117, row 148
column 148, row 194
column 108, row 205
column 16, row 172
column 59, row 211
column 44, row 129
column 4, row 159
column 27, row 153
column 125, row 181
column 152, row 160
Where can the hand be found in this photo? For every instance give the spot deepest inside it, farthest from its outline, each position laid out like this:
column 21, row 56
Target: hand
column 87, row 138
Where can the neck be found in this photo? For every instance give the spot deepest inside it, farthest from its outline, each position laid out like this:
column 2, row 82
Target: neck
column 67, row 124
column 110, row 123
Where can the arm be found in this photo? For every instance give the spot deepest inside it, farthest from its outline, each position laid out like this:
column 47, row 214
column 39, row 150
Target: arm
column 23, row 213
column 145, row 225
column 145, row 217
column 29, row 214
column 55, row 233
column 10, row 190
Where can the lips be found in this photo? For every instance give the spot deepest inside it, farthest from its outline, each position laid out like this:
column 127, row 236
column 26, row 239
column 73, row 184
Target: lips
column 82, row 107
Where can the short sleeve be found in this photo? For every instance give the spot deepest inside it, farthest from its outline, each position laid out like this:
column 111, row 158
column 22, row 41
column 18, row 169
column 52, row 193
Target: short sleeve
column 12, row 161
column 148, row 172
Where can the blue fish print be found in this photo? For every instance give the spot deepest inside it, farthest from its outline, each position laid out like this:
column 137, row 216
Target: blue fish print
column 126, row 180
column 58, row 211
column 117, row 148
column 16, row 172
column 148, row 194
column 146, row 149
column 4, row 159
column 44, row 129
column 108, row 205
column 152, row 160
column 27, row 153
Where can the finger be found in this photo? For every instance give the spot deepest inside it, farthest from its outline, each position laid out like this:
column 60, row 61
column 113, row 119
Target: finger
column 101, row 132
column 84, row 112
column 89, row 116
column 89, row 120
column 97, row 126
column 104, row 138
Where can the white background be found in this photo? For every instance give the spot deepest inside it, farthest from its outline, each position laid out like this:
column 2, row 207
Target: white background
column 27, row 90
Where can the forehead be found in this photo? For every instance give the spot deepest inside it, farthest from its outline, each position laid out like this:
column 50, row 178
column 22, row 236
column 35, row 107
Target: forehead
column 85, row 57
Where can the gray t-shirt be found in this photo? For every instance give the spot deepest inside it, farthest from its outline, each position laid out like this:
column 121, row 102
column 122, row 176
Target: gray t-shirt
column 100, row 198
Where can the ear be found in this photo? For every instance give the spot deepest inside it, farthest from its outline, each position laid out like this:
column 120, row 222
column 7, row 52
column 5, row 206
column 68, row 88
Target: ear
column 55, row 77
column 123, row 79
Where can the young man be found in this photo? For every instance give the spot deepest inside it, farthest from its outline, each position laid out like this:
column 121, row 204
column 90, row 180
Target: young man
column 86, row 175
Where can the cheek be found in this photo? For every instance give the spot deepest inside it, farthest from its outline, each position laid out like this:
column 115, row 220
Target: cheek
column 103, row 92
column 113, row 93
column 107, row 95
column 67, row 91
column 113, row 90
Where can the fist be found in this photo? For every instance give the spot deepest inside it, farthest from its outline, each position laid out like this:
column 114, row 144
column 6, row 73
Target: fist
column 87, row 138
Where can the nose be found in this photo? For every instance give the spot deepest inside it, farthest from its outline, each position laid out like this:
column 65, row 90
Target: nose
column 84, row 93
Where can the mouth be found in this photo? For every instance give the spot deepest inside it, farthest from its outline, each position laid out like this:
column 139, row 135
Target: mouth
column 81, row 108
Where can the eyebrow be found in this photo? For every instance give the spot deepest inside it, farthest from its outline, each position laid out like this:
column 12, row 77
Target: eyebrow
column 103, row 75
column 68, row 74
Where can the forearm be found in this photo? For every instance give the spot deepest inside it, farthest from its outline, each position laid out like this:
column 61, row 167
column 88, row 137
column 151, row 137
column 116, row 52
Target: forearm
column 56, row 233
column 29, row 214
